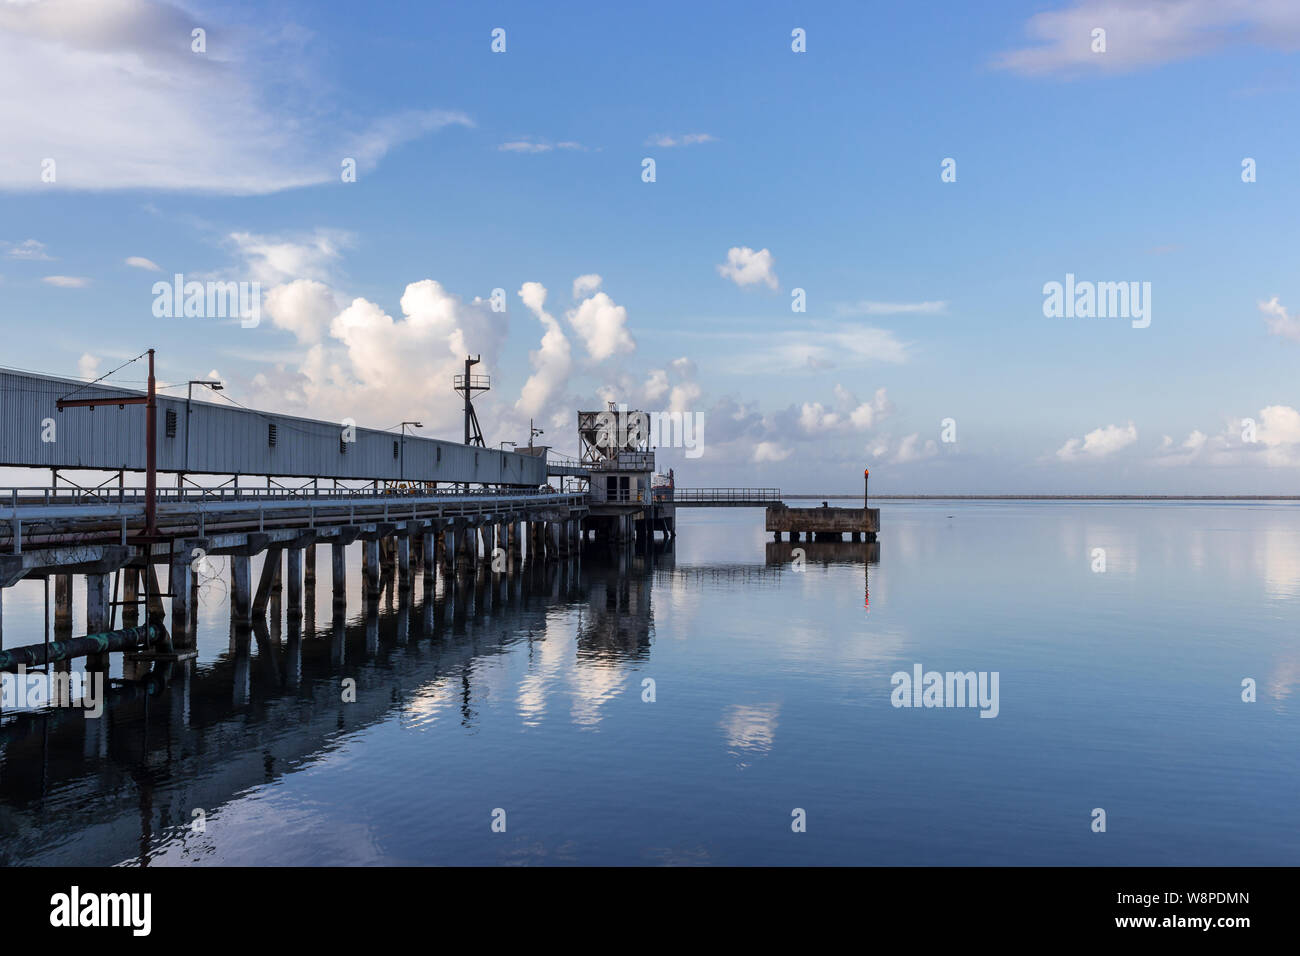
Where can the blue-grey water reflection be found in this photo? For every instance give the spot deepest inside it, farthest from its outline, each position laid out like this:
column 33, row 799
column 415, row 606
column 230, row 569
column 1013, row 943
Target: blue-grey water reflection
column 1120, row 690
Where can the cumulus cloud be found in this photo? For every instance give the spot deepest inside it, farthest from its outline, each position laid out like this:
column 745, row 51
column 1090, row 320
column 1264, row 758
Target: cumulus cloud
column 67, row 282
column 1270, row 439
column 850, row 414
column 305, row 307
column 140, row 262
column 745, row 267
column 551, row 363
column 88, row 366
column 361, row 362
column 1279, row 321
column 585, row 285
column 1142, row 33
column 770, row 451
column 602, row 325
column 912, row 448
column 656, row 385
column 1098, row 443
column 114, row 94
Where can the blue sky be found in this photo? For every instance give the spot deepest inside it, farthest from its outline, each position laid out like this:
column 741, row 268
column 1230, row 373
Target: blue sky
column 480, row 170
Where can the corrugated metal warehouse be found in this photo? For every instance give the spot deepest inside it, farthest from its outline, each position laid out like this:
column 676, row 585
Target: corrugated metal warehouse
column 225, row 440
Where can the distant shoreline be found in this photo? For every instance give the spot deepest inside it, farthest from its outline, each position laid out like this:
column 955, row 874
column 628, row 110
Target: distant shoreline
column 802, row 497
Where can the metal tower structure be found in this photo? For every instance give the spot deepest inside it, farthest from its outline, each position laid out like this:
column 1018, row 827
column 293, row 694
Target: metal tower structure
column 467, row 386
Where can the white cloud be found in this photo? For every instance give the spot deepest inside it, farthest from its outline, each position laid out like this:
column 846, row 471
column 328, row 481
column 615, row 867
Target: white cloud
column 88, row 366
column 745, row 267
column 585, row 285
column 67, row 282
column 140, row 262
column 304, row 307
column 770, row 451
column 1279, row 321
column 891, row 308
column 365, row 364
column 1141, row 33
column 113, row 94
column 816, row 347
column 1276, row 444
column 602, row 326
column 912, row 448
column 656, row 386
column 552, row 362
column 1098, row 443
column 852, row 415
column 274, row 259
column 28, row 249
column 669, row 140
column 528, row 145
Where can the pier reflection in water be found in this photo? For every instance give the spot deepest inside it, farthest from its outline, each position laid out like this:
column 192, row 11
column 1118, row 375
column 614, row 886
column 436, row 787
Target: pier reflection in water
column 290, row 691
column 676, row 706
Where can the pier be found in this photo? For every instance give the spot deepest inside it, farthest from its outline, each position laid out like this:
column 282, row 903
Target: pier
column 283, row 494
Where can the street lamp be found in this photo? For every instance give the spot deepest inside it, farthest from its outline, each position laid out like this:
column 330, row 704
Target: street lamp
column 533, row 432
column 189, row 399
column 402, row 464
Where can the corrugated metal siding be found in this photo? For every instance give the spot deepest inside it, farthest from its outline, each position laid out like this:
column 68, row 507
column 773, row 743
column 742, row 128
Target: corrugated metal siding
column 225, row 440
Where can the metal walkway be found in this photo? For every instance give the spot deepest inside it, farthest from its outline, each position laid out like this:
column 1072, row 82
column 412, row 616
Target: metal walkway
column 724, row 497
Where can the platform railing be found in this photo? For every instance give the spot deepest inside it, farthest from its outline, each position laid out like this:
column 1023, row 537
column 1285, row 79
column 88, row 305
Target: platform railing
column 755, row 495
column 39, row 496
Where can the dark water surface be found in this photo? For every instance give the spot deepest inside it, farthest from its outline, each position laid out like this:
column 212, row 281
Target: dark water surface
column 1119, row 690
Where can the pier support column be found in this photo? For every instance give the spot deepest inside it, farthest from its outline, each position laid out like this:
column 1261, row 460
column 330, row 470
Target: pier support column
column 429, row 553
column 339, row 573
column 293, row 570
column 448, row 547
column 241, row 586
column 130, row 596
column 179, row 585
column 371, row 552
column 466, row 544
column 404, row 557
column 97, row 610
column 309, row 567
column 63, row 605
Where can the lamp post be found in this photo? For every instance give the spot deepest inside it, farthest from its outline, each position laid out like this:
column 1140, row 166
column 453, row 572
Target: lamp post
column 866, row 474
column 401, row 467
column 533, row 432
column 512, row 444
column 189, row 399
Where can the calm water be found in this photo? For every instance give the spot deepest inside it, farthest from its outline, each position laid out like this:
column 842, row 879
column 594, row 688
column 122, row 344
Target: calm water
column 1119, row 690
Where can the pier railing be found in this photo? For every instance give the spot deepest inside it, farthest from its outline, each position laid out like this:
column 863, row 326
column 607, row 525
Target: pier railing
column 726, row 497
column 39, row 496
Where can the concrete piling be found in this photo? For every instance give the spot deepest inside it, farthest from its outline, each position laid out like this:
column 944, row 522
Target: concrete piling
column 241, row 585
column 293, row 571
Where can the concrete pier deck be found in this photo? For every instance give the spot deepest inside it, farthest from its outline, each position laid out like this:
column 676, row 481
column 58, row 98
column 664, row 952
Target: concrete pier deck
column 824, row 523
